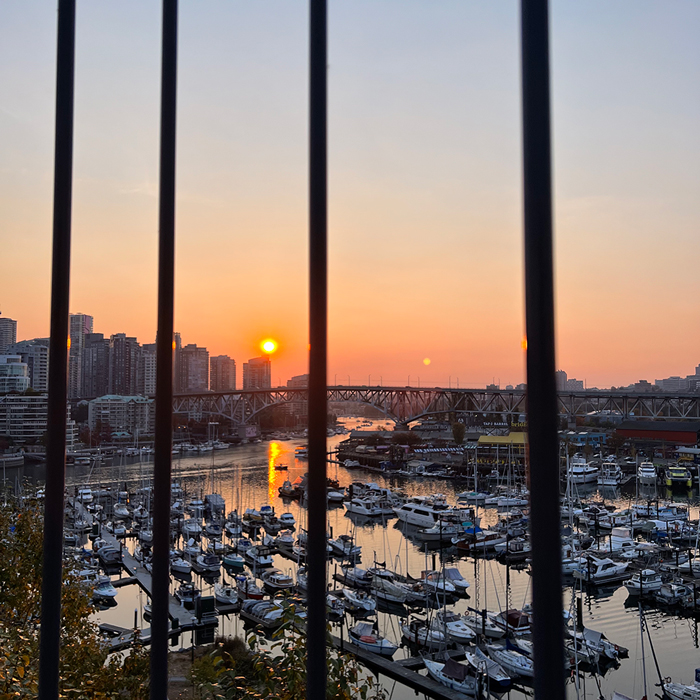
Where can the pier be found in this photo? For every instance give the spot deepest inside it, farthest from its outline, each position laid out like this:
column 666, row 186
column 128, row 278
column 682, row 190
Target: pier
column 400, row 671
column 181, row 619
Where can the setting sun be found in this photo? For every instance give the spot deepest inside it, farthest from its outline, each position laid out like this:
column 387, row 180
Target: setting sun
column 269, row 346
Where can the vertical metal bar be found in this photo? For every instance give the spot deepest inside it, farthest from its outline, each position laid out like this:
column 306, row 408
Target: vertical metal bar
column 541, row 384
column 316, row 546
column 50, row 643
column 162, row 462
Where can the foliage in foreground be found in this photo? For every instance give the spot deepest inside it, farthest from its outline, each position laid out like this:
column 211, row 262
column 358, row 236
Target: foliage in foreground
column 85, row 670
column 278, row 671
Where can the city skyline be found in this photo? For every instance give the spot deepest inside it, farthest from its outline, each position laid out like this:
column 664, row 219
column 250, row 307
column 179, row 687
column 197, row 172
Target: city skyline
column 197, row 369
column 425, row 223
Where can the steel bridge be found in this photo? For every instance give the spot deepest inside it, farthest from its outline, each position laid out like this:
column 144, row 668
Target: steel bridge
column 406, row 404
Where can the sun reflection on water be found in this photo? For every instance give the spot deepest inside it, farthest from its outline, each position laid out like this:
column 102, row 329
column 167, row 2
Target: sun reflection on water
column 274, row 450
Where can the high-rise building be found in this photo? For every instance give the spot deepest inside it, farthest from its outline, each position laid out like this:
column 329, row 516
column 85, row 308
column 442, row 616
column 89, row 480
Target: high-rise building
column 561, row 380
column 14, row 374
column 80, row 326
column 300, row 408
column 8, row 333
column 95, row 366
column 222, row 373
column 257, row 373
column 147, row 370
column 131, row 414
column 123, row 364
column 194, row 369
column 177, row 347
column 36, row 356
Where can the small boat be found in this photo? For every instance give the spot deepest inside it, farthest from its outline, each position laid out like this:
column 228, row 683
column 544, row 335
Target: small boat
column 281, row 467
column 287, row 520
column 454, row 576
column 257, row 555
column 361, row 506
column 233, row 561
column 335, row 496
column 457, row 630
column 85, row 495
column 225, row 594
column 343, row 546
column 452, row 675
column 104, row 589
column 365, row 636
column 384, row 588
column 515, row 663
column 335, row 607
column 208, row 563
column 598, row 642
column 421, row 634
column 436, row 583
column 180, row 565
column 121, row 511
column 646, row 581
column 358, row 601
column 472, row 497
column 243, row 544
column 483, row 625
column 213, row 529
column 191, row 526
column 600, row 571
column 247, row 588
column 483, row 664
column 678, row 691
column 674, row 593
column 188, row 593
column 513, row 621
column 357, row 577
column 275, row 580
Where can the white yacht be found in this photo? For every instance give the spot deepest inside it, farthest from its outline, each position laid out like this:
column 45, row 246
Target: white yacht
column 647, row 473
column 422, row 513
column 361, row 506
column 581, row 472
column 610, row 474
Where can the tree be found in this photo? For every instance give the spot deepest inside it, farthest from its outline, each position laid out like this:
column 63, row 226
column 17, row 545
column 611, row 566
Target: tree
column 85, row 669
column 458, row 432
column 279, row 672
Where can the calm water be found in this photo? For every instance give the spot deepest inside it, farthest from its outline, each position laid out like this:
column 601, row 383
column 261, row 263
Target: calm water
column 246, row 477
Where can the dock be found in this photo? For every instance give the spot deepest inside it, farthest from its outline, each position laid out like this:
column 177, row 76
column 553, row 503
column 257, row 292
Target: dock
column 181, row 619
column 399, row 672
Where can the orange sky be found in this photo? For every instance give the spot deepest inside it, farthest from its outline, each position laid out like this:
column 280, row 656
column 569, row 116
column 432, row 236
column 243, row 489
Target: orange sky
column 425, row 204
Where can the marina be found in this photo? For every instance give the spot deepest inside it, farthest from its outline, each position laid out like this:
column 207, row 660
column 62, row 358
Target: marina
column 392, row 561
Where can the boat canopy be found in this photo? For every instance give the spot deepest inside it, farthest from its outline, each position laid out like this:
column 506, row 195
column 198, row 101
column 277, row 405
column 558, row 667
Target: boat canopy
column 592, row 637
column 455, row 670
column 363, row 629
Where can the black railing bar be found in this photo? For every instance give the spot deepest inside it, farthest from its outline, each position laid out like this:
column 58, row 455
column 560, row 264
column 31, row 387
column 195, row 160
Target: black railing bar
column 162, row 461
column 318, row 309
column 52, row 577
column 541, row 384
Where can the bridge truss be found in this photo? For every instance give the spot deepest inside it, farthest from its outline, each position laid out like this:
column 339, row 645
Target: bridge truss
column 406, row 404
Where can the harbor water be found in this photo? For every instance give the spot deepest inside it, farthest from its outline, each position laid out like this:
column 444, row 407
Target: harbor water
column 246, row 477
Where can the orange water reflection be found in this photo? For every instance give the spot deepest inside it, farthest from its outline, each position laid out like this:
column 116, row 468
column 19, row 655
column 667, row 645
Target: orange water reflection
column 274, row 451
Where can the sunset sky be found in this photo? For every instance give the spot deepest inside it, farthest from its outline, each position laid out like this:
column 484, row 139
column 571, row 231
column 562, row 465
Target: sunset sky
column 425, row 220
